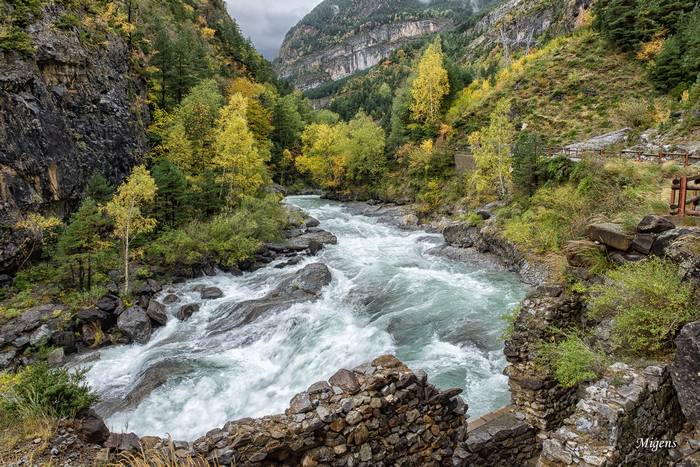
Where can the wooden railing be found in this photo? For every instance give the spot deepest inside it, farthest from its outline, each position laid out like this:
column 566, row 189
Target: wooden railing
column 681, row 189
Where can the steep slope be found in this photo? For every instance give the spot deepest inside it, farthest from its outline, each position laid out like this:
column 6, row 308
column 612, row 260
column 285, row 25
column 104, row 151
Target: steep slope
column 79, row 80
column 340, row 37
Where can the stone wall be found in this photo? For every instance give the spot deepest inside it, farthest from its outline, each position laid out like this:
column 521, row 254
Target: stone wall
column 533, row 390
column 615, row 413
column 502, row 437
column 380, row 413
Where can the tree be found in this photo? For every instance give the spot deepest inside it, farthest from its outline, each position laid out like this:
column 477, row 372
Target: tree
column 324, row 156
column 236, row 158
column 81, row 241
column 526, row 153
column 125, row 209
column 430, row 86
column 491, row 150
column 287, row 123
column 366, row 162
column 617, row 21
column 171, row 205
column 98, row 188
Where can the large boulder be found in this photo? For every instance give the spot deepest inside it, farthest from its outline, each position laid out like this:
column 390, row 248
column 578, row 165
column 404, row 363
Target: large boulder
column 302, row 242
column 654, row 224
column 609, row 234
column 156, row 311
column 186, row 311
column 685, row 371
column 135, row 323
column 90, row 427
column 461, row 234
column 304, row 285
column 211, row 293
column 685, row 251
column 664, row 240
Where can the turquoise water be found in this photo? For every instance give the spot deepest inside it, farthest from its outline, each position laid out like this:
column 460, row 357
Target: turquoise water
column 387, row 296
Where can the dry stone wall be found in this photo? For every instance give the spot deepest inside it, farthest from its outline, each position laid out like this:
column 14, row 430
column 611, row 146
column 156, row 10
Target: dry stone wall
column 377, row 414
column 630, row 417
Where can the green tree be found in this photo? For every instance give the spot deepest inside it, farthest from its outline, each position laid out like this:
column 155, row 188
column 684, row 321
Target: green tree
column 526, row 154
column 171, row 206
column 366, row 163
column 81, row 242
column 98, row 188
column 126, row 207
column 617, row 21
column 430, row 86
column 491, row 151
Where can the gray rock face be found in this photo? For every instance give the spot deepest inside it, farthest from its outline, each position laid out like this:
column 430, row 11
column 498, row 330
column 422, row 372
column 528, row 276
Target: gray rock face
column 461, row 234
column 304, row 285
column 135, row 323
column 68, row 112
column 685, row 371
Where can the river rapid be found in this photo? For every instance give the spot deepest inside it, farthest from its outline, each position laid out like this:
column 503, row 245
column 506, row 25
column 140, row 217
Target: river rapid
column 387, row 295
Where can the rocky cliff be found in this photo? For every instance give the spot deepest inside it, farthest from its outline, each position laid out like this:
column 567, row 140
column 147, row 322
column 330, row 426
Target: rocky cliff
column 66, row 112
column 339, row 38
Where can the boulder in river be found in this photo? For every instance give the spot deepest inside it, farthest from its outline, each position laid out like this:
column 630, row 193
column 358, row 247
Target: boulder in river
column 186, row 311
column 211, row 293
column 156, row 311
column 135, row 323
column 304, row 285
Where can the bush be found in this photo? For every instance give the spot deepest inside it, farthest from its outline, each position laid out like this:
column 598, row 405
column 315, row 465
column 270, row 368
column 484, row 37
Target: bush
column 40, row 391
column 572, row 361
column 649, row 303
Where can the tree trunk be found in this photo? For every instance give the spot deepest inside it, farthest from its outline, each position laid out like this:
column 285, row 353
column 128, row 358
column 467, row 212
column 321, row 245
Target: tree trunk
column 126, row 261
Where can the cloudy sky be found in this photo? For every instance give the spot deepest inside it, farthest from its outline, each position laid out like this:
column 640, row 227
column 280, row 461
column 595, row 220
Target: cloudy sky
column 267, row 21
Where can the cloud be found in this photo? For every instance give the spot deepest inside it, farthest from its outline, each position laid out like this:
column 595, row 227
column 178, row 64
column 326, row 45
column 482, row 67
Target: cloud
column 267, row 21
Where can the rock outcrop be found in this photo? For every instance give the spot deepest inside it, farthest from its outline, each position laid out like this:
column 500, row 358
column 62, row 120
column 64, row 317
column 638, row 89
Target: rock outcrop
column 685, row 371
column 66, row 113
column 303, row 285
column 339, row 38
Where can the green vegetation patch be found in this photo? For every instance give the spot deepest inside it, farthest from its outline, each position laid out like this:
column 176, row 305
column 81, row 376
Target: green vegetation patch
column 572, row 360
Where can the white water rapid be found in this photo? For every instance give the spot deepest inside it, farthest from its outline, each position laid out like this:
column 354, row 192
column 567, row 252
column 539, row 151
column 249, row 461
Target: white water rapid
column 387, row 296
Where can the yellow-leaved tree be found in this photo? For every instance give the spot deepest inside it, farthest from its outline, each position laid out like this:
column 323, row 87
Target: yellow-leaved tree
column 430, row 86
column 324, row 156
column 491, row 148
column 239, row 165
column 137, row 192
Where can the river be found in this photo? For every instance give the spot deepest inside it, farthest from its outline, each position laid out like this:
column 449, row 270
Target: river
column 387, row 295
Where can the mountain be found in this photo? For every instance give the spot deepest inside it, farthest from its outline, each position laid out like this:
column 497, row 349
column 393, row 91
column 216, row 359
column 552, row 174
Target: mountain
column 341, row 37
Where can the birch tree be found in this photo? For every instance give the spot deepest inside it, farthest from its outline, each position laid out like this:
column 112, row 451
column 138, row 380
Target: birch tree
column 125, row 209
column 430, row 86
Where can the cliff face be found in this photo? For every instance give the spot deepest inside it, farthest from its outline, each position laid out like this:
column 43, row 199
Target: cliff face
column 66, row 112
column 341, row 37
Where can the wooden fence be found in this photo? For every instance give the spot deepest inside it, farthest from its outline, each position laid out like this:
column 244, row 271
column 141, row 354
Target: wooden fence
column 685, row 157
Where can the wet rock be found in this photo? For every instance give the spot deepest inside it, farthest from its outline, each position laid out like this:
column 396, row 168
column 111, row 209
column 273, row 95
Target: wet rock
column 186, row 311
column 212, row 293
column 685, row 371
column 156, row 311
column 311, row 222
column 302, row 242
column 170, row 299
column 135, row 323
column 345, row 380
column 90, row 427
column 461, row 234
column 612, row 235
column 300, row 404
column 654, row 224
column 304, row 285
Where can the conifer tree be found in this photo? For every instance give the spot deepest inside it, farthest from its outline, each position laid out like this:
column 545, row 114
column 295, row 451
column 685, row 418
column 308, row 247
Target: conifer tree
column 171, row 201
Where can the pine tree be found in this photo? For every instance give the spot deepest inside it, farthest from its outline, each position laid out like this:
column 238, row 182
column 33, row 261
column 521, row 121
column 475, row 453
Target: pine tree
column 171, row 205
column 98, row 188
column 81, row 241
column 617, row 21
column 526, row 153
column 430, row 86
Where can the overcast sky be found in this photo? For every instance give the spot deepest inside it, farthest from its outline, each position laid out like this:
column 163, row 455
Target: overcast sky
column 267, row 21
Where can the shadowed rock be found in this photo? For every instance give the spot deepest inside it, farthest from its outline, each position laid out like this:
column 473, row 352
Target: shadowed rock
column 304, row 285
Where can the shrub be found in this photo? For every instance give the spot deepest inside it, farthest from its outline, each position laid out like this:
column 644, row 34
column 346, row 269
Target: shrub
column 40, row 391
column 649, row 303
column 572, row 361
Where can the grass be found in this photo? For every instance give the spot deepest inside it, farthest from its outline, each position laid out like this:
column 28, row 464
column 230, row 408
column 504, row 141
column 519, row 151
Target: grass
column 648, row 302
column 158, row 458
